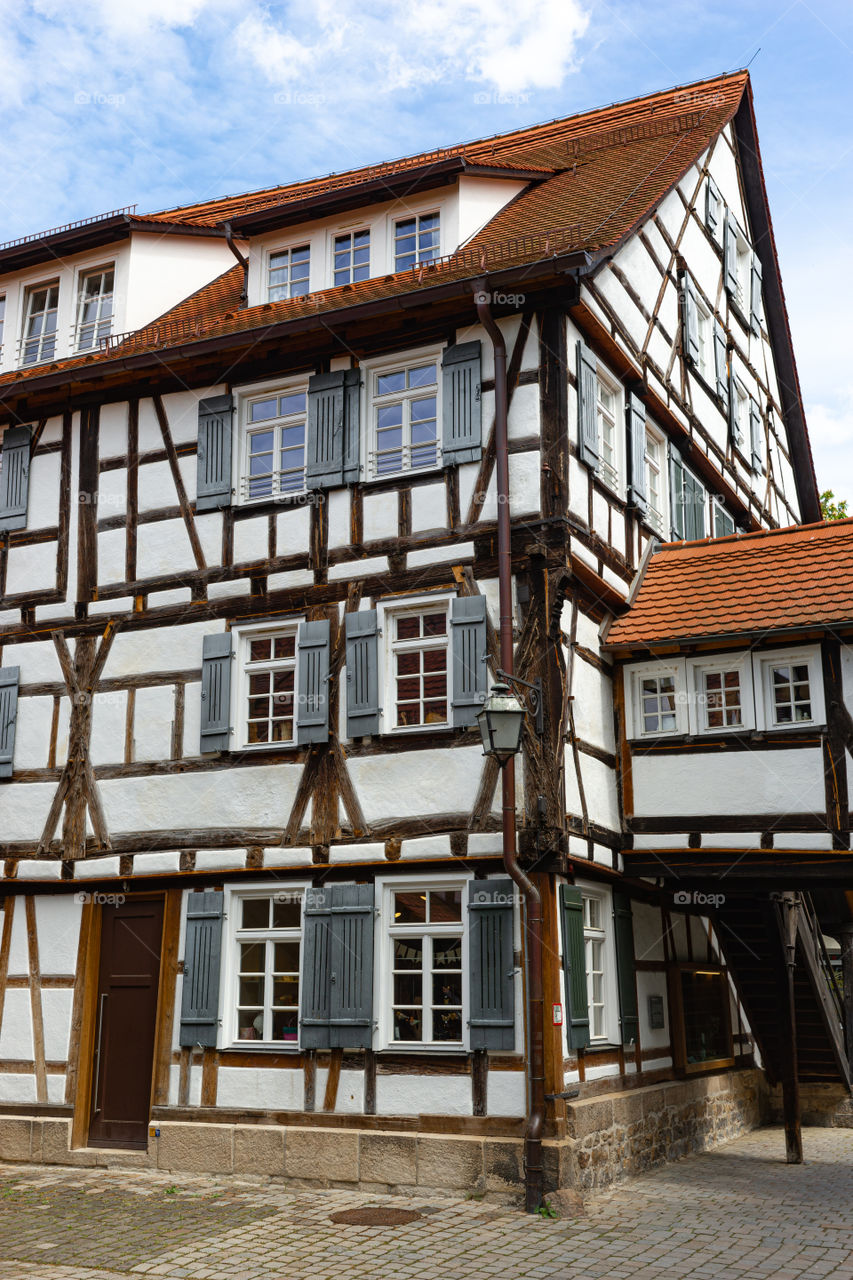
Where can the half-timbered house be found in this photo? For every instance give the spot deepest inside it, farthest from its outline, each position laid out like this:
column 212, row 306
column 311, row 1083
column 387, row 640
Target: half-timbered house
column 287, row 479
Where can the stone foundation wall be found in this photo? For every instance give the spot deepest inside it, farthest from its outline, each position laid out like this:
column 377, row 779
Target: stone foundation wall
column 825, row 1105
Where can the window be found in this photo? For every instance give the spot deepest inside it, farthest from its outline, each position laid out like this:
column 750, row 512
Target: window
column 607, row 411
column 2, row 318
column 416, row 240
column 744, row 274
column 40, row 307
column 701, row 994
column 266, row 942
column 741, row 415
column 352, row 257
column 418, row 661
column 791, row 701
column 657, row 703
column 595, row 955
column 705, row 335
column 404, row 418
column 655, row 479
column 95, row 308
column 266, row 707
column 689, row 502
column 274, row 448
column 288, row 273
column 721, row 699
column 425, row 963
column 724, row 525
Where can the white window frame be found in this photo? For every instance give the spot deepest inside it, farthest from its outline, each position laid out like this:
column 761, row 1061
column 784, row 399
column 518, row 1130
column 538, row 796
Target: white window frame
column 705, row 340
column 657, row 518
column 634, row 674
column 610, row 474
column 421, row 210
column 763, row 664
column 386, row 611
column 384, row 960
column 705, row 505
column 743, row 262
column 240, row 684
column 27, row 294
column 697, row 709
column 590, row 889
column 240, row 465
column 374, row 369
column 230, row 968
column 287, row 246
column 83, row 274
column 743, row 443
column 332, row 235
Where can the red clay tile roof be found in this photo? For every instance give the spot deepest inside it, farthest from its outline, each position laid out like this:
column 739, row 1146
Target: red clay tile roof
column 776, row 580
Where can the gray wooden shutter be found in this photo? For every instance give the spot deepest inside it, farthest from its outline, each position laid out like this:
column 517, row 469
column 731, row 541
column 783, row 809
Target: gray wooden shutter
column 216, row 693
column 587, row 404
column 362, row 646
column 756, row 437
column 695, row 500
column 676, row 494
column 724, row 524
column 730, row 254
column 214, row 457
column 574, row 967
column 690, row 318
column 491, row 964
column 352, row 426
column 324, row 462
column 755, row 295
column 9, row 677
column 337, row 971
column 468, row 655
column 721, row 362
column 461, row 416
column 15, row 478
column 636, row 414
column 312, row 682
column 202, row 957
column 623, row 926
column 713, row 208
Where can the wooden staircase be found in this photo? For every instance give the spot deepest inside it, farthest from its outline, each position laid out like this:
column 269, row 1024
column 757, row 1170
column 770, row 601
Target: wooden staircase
column 751, row 935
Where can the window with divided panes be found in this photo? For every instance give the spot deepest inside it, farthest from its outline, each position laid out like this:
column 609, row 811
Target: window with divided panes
column 267, row 939
column 289, row 272
column 655, row 471
column 404, row 419
column 722, row 702
column 419, row 666
column 95, row 308
column 352, row 257
column 595, row 955
column 274, row 458
column 657, row 703
column 40, row 311
column 789, row 684
column 607, row 412
column 416, row 240
column 425, row 939
column 269, row 669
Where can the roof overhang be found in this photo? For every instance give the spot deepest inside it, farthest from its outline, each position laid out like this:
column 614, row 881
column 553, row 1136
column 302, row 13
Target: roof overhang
column 59, row 245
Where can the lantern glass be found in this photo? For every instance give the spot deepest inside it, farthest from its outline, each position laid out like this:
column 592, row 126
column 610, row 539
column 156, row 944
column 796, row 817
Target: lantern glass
column 500, row 723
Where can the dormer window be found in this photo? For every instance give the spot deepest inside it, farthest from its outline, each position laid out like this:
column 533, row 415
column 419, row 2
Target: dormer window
column 41, row 303
column 95, row 308
column 352, row 257
column 288, row 272
column 416, row 240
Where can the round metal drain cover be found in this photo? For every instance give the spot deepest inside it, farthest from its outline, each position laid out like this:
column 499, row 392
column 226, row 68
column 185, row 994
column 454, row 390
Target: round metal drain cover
column 375, row 1216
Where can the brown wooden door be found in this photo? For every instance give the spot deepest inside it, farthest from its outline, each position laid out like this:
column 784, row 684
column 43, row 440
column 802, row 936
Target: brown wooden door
column 126, row 1022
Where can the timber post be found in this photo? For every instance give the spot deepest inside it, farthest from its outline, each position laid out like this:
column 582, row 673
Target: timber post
column 788, row 905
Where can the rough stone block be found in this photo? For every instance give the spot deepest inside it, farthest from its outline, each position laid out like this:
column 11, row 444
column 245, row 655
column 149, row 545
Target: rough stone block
column 589, row 1117
column 327, row 1155
column 389, row 1158
column 259, row 1149
column 195, row 1148
column 15, row 1138
column 450, row 1163
column 503, row 1164
column 54, row 1145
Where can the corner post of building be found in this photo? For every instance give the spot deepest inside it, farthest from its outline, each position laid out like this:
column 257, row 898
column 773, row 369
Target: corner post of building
column 788, row 907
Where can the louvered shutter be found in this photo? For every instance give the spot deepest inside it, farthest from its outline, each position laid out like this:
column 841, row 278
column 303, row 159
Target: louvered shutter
column 756, row 437
column 9, row 677
column 15, row 478
column 491, row 964
column 324, row 462
column 587, row 404
column 216, row 693
column 202, row 958
column 214, row 457
column 312, row 682
column 690, row 317
column 468, row 655
column 337, row 971
column 755, row 295
column 461, row 417
column 713, row 208
column 623, row 925
column 574, row 967
column 721, row 362
column 362, row 646
column 636, row 413
column 352, row 426
column 730, row 255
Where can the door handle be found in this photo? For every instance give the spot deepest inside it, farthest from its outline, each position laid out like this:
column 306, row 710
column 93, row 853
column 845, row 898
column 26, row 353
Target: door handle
column 96, row 1099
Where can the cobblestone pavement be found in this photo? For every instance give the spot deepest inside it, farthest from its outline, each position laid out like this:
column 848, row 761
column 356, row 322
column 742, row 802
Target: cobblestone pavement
column 737, row 1213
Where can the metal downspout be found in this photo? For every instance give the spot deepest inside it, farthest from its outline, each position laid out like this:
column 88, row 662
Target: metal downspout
column 244, row 262
column 533, row 1171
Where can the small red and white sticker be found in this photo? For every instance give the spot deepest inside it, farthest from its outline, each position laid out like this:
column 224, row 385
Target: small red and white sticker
column 557, row 1014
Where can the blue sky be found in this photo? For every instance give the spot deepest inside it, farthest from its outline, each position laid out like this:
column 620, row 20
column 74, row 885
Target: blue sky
column 110, row 102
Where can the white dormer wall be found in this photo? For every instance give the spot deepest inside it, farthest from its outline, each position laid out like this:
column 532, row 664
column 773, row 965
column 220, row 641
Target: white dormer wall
column 464, row 209
column 165, row 269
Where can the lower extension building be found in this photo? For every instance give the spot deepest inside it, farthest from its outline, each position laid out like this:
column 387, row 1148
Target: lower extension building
column 276, row 515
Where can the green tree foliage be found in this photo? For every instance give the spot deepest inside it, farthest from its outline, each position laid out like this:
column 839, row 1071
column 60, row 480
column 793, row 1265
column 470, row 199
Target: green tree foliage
column 830, row 509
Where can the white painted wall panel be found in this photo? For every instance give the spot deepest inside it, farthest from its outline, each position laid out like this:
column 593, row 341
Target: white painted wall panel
column 56, row 1015
column 163, row 548
column 764, row 782
column 251, row 539
column 112, row 493
column 429, row 507
column 293, row 531
column 599, row 784
column 208, row 526
column 648, row 932
column 507, row 1093
column 159, row 649
column 379, row 516
column 112, row 546
column 32, row 732
column 15, row 1088
column 221, row 798
column 152, row 722
column 523, row 416
column 16, row 1032
column 593, row 705
column 192, row 718
column 43, row 498
column 58, row 922
column 156, row 488
column 416, row 784
column 23, row 809
column 262, row 1088
column 109, row 720
column 338, row 507
column 405, row 1095
column 31, row 568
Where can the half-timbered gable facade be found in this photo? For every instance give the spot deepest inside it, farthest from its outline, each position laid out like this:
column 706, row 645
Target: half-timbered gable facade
column 258, row 913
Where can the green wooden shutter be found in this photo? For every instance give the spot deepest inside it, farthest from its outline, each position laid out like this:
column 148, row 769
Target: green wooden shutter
column 713, row 208
column 9, row 677
column 623, row 925
column 574, row 967
column 202, row 962
column 636, row 415
column 312, row 682
column 730, row 254
column 352, row 426
column 316, row 951
column 721, row 362
column 491, row 964
column 337, row 971
column 468, row 654
column 755, row 295
column 15, row 478
column 324, row 461
column 362, row 646
column 690, row 320
column 756, row 437
column 587, row 366
column 461, row 408
column 216, row 693
column 695, row 500
column 214, row 457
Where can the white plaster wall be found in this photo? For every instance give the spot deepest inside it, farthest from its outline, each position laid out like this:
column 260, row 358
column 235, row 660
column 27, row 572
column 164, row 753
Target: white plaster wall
column 338, row 510
column 31, row 568
column 58, row 924
column 251, row 540
column 523, row 416
column 380, row 518
column 43, row 496
column 780, row 781
column 350, row 1099
column 416, row 784
column 593, row 705
column 401, row 1095
column 652, row 983
column 599, row 784
column 17, row 1088
column 23, row 809
column 16, row 1032
column 112, row 548
column 159, row 649
column 32, row 732
column 56, row 1006
column 192, row 718
column 217, row 798
column 480, row 199
column 163, row 548
column 506, row 1093
column 261, row 1088
column 152, row 722
column 429, row 507
column 292, row 531
column 165, row 269
column 109, row 719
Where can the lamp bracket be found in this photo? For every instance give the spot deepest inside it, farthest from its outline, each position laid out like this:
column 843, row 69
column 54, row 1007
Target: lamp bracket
column 536, row 705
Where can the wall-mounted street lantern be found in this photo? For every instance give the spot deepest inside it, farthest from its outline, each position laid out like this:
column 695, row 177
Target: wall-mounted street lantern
column 502, row 717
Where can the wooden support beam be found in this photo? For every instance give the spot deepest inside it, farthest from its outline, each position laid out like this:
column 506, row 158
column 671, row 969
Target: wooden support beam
column 787, row 909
